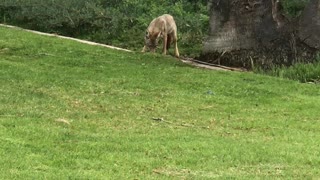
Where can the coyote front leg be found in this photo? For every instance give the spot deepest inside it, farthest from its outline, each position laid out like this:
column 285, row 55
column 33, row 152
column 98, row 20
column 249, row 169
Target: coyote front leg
column 176, row 50
column 165, row 39
column 144, row 48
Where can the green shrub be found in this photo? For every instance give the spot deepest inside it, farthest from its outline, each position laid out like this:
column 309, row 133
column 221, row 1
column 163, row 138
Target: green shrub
column 72, row 17
column 293, row 8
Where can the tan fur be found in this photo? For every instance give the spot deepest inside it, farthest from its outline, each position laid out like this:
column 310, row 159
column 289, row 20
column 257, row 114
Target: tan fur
column 163, row 26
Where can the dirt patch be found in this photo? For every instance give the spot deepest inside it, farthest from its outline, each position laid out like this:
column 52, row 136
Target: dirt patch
column 212, row 66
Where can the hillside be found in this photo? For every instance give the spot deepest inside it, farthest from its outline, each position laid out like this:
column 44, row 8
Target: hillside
column 70, row 110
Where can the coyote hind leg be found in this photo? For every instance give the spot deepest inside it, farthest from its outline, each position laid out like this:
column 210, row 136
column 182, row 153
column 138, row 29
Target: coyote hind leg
column 169, row 40
column 176, row 50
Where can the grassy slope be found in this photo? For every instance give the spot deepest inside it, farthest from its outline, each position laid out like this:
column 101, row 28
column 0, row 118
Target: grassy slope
column 258, row 126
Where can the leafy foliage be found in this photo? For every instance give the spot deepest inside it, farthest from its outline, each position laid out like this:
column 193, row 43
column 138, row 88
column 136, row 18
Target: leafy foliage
column 72, row 17
column 294, row 7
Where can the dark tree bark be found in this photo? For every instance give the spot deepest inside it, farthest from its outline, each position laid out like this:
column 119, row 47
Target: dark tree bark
column 255, row 32
column 232, row 25
column 309, row 28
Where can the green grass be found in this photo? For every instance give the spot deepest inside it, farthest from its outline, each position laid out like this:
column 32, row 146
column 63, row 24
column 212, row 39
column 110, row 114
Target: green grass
column 74, row 111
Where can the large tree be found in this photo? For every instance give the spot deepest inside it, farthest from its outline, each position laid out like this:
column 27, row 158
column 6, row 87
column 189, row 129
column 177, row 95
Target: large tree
column 256, row 32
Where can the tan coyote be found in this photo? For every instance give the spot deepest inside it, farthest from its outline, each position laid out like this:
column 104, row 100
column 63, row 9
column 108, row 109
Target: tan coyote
column 165, row 27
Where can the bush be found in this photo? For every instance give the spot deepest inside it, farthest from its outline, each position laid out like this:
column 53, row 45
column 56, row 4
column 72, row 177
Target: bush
column 293, row 8
column 72, row 17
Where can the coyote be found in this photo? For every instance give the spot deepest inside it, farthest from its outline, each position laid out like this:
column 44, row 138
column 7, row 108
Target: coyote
column 165, row 27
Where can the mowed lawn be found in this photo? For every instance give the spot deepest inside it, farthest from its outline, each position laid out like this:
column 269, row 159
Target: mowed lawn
column 75, row 111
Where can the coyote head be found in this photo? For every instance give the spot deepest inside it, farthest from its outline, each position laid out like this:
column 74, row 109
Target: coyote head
column 151, row 40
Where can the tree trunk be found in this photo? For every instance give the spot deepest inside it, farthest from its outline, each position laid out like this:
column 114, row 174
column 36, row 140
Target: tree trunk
column 254, row 32
column 232, row 25
column 309, row 28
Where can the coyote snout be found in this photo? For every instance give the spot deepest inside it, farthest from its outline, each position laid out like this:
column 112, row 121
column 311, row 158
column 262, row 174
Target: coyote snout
column 165, row 27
